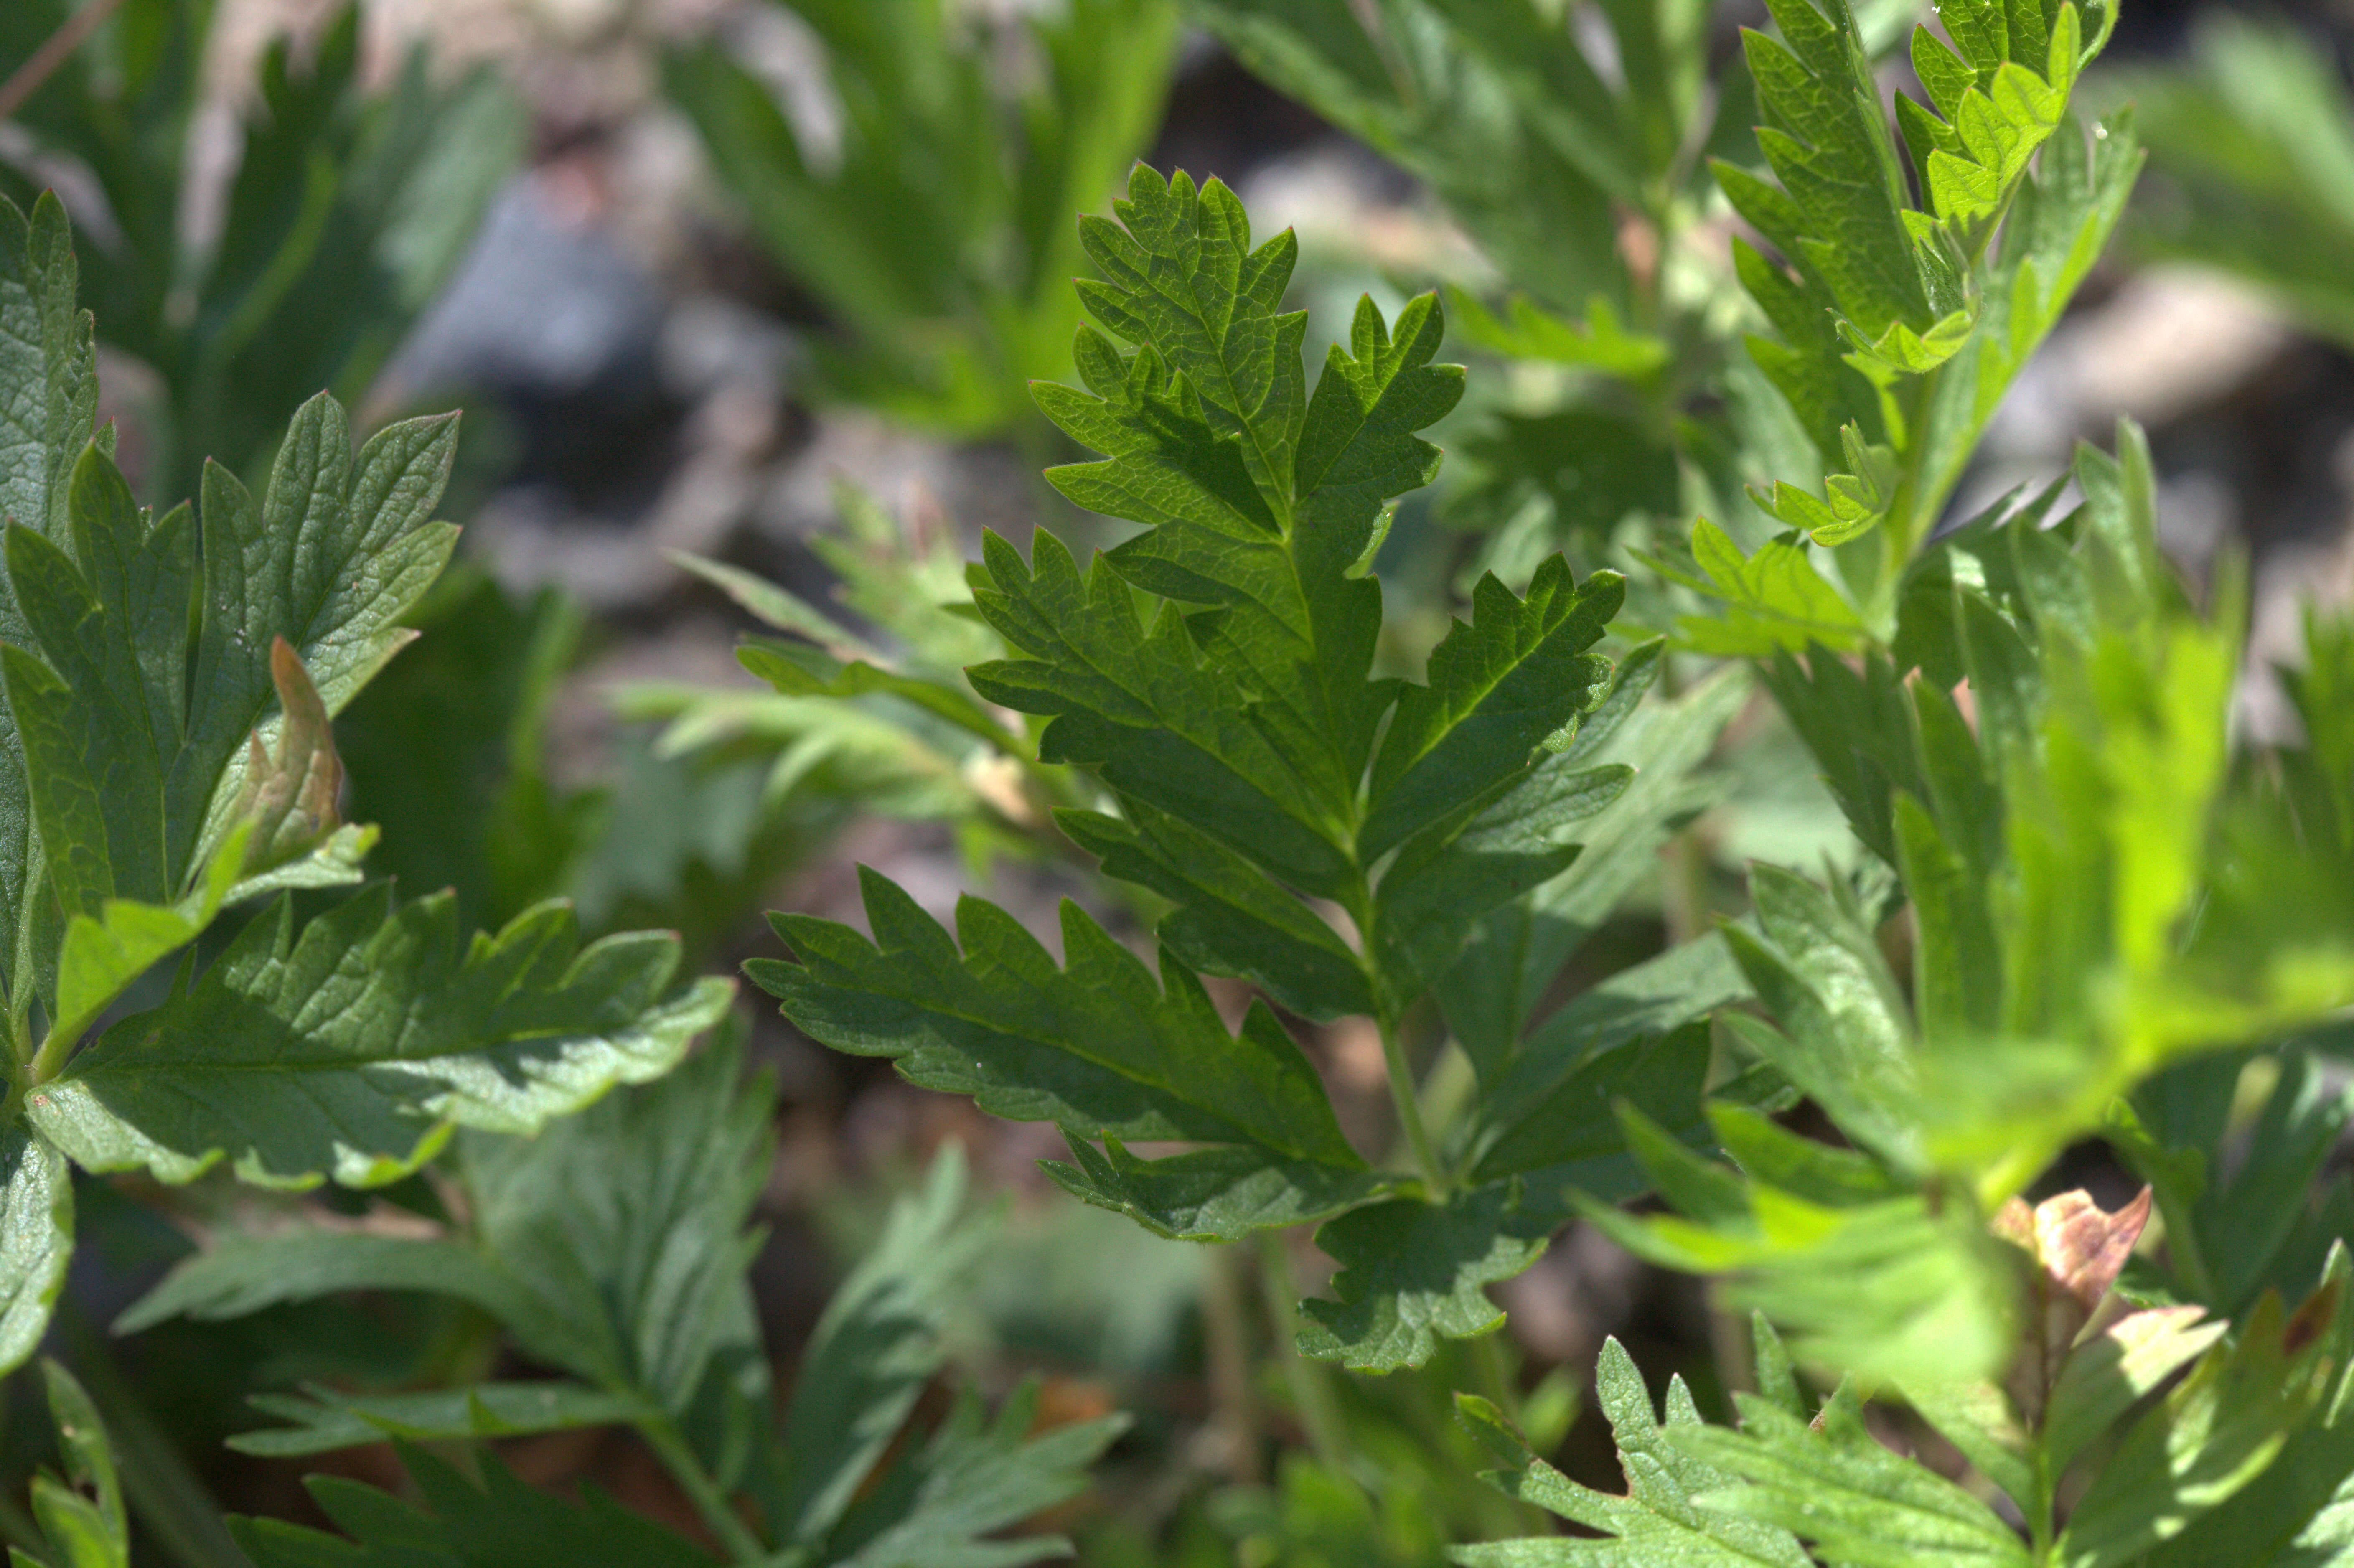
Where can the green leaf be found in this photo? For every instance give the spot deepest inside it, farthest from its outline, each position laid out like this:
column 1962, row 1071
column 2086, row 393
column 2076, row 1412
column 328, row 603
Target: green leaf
column 1600, row 343
column 1845, row 1038
column 1180, row 274
column 326, row 1420
column 1515, row 953
column 350, row 1050
column 36, row 1240
column 2104, row 1376
column 48, row 399
column 1515, row 680
column 1232, row 919
column 1133, row 702
column 1412, row 1271
column 1570, row 1141
column 1775, row 599
column 336, row 553
column 2295, row 1514
column 874, row 1351
column 1658, row 1522
column 626, row 1228
column 85, row 1529
column 2215, row 1433
column 243, row 1274
column 1095, row 1045
column 945, row 1505
column 1551, row 1084
column 503, row 1523
column 612, row 1243
column 1447, row 878
column 1211, row 1194
column 1833, row 1483
column 1869, row 1278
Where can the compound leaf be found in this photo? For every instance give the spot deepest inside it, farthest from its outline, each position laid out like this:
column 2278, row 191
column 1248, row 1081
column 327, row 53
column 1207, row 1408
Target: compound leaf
column 350, row 1050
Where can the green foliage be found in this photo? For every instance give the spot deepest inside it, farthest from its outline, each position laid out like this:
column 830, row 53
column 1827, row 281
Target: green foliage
column 614, row 1247
column 1901, row 324
column 1253, row 758
column 2252, row 151
column 938, row 232
column 80, row 1510
column 343, row 215
column 170, row 684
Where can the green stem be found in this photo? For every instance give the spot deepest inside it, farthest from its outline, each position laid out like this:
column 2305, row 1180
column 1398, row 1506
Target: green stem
column 51, row 1058
column 1312, row 1391
column 1496, row 1382
column 1234, row 1411
column 1405, row 1095
column 670, row 1445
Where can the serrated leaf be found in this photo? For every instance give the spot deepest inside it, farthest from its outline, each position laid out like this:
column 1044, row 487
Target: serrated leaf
column 2211, row 1436
column 48, row 400
column 337, row 550
column 1570, row 1140
column 1560, row 1067
column 502, row 1523
column 1515, row 679
column 1844, row 1038
column 326, row 1420
column 1094, row 1045
column 874, row 1351
column 1179, row 275
column 36, row 1237
column 944, row 1506
column 1232, row 919
column 243, row 1274
column 1211, row 1194
column 1529, row 331
column 1774, row 599
column 1833, row 1483
column 1447, row 878
column 1514, row 955
column 350, row 1050
column 627, row 1226
column 1656, row 1521
column 1411, row 1272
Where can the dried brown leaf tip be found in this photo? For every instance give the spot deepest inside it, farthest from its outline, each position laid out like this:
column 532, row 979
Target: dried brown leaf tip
column 291, row 799
column 2080, row 1249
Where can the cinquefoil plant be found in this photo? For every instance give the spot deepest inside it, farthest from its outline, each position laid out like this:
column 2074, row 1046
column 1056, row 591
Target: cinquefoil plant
column 167, row 767
column 1214, row 673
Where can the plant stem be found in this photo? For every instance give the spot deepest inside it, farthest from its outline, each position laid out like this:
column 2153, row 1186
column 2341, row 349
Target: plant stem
column 1408, row 1101
column 670, row 1445
column 54, row 51
column 1488, row 1355
column 1312, row 1394
column 1234, row 1411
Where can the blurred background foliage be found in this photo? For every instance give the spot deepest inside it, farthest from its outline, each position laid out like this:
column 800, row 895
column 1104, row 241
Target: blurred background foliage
column 741, row 298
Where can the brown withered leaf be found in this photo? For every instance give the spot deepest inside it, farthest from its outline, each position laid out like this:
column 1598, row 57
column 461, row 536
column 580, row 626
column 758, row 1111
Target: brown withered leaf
column 2079, row 1250
column 291, row 799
